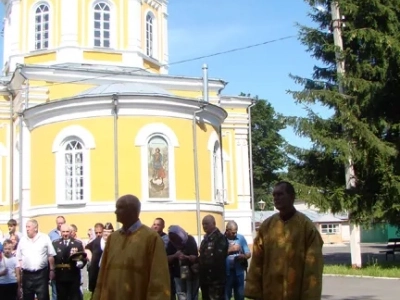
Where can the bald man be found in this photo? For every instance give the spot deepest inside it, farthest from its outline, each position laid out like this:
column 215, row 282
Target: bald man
column 68, row 275
column 134, row 263
column 236, row 262
column 212, row 261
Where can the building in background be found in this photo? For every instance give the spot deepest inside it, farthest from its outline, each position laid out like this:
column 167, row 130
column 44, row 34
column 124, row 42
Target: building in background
column 334, row 229
column 89, row 113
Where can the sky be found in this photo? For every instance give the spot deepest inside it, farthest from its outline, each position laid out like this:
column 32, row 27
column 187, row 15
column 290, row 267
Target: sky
column 202, row 27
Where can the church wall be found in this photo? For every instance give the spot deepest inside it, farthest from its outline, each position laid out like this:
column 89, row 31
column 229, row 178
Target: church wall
column 40, row 58
column 102, row 56
column 43, row 165
column 59, row 91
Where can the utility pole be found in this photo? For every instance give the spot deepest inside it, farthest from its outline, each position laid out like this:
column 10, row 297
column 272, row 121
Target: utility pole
column 355, row 248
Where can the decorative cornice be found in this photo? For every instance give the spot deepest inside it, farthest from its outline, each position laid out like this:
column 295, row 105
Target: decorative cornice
column 235, row 101
column 128, row 105
column 153, row 3
column 98, row 77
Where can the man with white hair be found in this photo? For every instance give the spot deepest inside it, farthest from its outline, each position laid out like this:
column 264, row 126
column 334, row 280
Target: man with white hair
column 68, row 271
column 35, row 254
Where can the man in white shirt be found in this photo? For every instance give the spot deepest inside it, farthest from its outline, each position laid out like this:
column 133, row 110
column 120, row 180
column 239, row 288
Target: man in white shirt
column 35, row 254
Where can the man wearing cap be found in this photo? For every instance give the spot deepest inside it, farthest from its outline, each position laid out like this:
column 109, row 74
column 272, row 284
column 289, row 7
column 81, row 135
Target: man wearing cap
column 69, row 261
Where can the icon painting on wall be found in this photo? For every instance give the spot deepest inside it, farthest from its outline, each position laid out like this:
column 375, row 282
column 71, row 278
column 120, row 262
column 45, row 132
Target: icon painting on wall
column 158, row 168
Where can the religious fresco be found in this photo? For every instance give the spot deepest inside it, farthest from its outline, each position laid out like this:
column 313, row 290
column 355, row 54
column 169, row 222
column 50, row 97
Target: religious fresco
column 158, row 171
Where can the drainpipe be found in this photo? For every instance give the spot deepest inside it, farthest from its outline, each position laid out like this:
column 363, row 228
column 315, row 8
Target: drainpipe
column 253, row 207
column 222, row 173
column 21, row 156
column 11, row 182
column 196, row 174
column 195, row 154
column 116, row 180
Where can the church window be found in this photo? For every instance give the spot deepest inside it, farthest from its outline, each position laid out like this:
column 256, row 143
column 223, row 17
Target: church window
column 74, row 170
column 42, row 17
column 102, row 25
column 72, row 147
column 218, row 180
column 149, row 35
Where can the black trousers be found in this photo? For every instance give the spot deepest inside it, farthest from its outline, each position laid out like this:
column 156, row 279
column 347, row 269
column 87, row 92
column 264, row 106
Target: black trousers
column 35, row 283
column 8, row 291
column 213, row 291
column 69, row 290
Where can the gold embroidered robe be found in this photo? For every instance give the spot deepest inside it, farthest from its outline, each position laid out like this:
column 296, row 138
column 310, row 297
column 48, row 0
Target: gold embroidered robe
column 287, row 260
column 134, row 267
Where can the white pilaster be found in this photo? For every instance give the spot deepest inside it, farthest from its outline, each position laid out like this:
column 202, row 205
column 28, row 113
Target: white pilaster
column 12, row 31
column 26, row 177
column 69, row 23
column 164, row 25
column 135, row 25
column 243, row 170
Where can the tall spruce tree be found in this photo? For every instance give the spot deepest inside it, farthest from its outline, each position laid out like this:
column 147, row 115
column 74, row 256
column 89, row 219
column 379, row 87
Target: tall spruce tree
column 365, row 124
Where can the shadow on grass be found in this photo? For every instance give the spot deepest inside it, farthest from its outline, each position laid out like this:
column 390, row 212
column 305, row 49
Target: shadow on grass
column 329, row 297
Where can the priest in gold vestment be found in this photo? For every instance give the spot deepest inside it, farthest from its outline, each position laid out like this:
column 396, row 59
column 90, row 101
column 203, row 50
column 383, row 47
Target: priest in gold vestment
column 134, row 264
column 287, row 261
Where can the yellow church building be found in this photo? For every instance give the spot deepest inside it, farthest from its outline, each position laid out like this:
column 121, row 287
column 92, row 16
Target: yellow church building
column 89, row 113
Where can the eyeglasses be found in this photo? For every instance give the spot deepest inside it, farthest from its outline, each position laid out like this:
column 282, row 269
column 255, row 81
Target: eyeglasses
column 98, row 233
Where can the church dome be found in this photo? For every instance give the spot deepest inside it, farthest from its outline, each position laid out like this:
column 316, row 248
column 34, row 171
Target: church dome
column 125, row 88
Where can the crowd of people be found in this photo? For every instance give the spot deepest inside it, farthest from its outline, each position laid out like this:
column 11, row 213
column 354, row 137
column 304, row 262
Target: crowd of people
column 155, row 263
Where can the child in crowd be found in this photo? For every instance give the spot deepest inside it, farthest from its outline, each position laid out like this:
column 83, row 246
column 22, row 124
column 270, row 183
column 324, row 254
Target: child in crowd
column 9, row 272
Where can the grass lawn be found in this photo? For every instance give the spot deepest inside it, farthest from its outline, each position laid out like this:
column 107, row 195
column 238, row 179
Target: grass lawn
column 376, row 269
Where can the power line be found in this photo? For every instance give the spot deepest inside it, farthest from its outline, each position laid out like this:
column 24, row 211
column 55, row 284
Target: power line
column 173, row 63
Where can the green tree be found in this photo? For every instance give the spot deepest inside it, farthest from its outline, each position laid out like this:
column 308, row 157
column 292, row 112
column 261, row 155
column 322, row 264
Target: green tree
column 268, row 149
column 365, row 124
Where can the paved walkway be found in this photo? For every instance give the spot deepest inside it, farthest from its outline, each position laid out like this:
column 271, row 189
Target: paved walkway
column 348, row 288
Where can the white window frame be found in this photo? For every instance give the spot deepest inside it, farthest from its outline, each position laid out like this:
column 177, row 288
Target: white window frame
column 3, row 153
column 224, row 197
column 32, row 34
column 154, row 54
column 112, row 24
column 144, row 135
column 66, row 135
column 330, row 228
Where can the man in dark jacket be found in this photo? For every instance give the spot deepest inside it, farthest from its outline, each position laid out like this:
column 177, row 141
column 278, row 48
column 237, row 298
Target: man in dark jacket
column 67, row 271
column 212, row 261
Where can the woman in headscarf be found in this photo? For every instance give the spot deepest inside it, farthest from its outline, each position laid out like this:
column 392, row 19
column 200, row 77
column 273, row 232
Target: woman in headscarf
column 183, row 255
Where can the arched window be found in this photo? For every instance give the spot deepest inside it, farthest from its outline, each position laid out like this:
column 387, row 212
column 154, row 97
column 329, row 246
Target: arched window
column 74, row 171
column 218, row 179
column 72, row 149
column 158, row 168
column 157, row 143
column 102, row 25
column 221, row 192
column 149, row 35
column 42, row 17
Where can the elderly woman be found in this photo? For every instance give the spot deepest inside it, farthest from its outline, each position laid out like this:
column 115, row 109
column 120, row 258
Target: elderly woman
column 182, row 255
